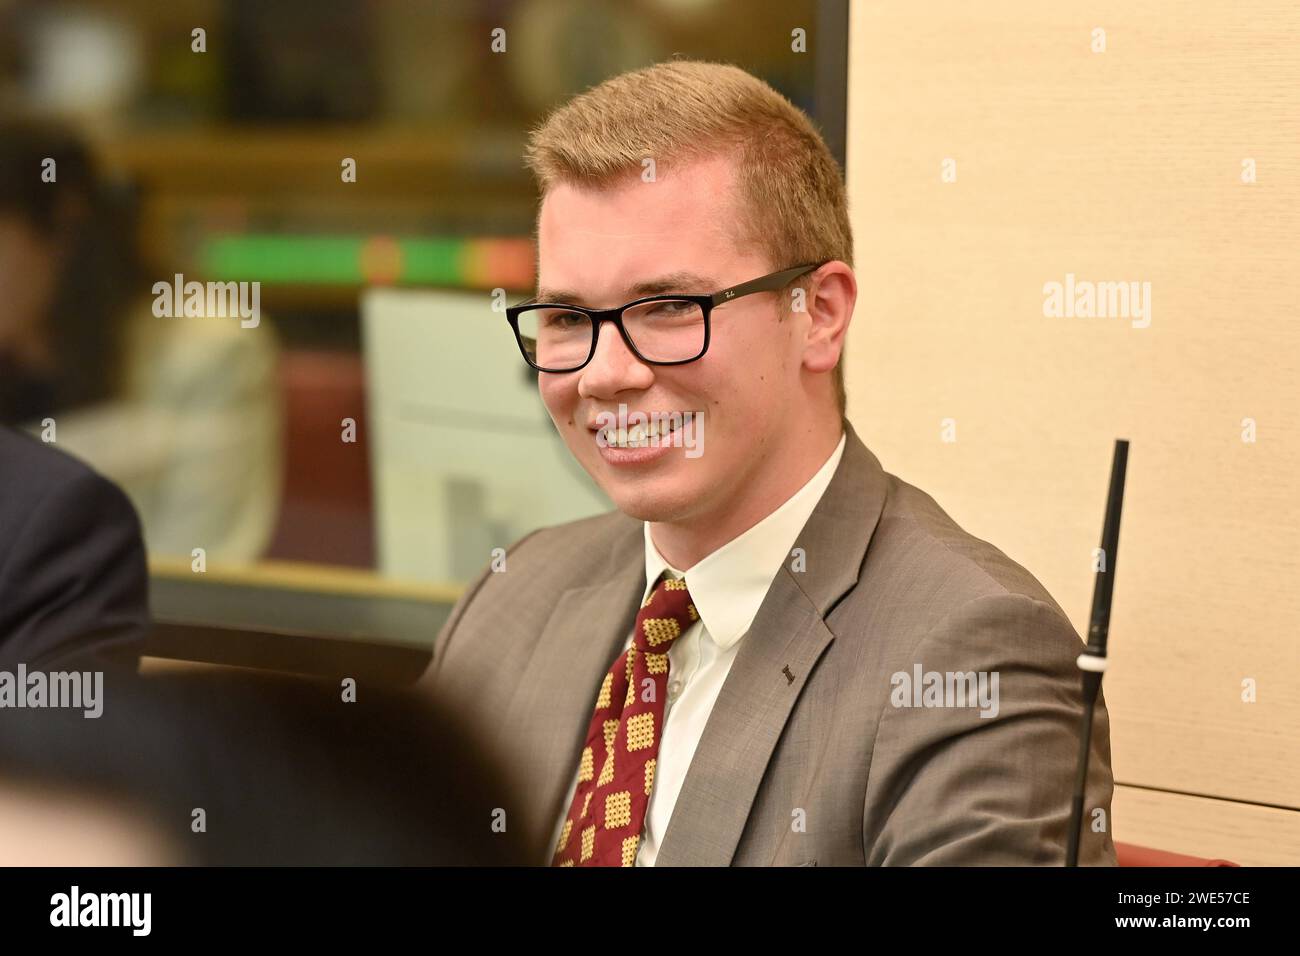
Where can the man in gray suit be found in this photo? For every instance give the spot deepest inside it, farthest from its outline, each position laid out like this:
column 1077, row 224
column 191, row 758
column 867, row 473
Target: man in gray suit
column 772, row 652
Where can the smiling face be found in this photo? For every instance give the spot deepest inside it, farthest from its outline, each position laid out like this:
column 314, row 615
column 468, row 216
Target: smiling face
column 751, row 389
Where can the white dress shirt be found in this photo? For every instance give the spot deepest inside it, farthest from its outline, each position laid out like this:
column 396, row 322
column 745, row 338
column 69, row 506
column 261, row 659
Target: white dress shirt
column 727, row 588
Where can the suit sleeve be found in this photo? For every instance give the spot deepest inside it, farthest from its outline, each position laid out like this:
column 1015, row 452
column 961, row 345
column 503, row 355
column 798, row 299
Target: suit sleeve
column 950, row 787
column 75, row 578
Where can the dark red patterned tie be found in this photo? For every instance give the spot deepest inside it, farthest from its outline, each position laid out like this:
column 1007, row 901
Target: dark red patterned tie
column 603, row 826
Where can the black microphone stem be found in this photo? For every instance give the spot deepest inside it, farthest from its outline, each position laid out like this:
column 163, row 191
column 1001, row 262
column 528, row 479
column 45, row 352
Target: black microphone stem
column 1092, row 662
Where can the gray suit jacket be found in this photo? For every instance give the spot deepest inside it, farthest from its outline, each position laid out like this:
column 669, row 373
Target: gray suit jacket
column 808, row 756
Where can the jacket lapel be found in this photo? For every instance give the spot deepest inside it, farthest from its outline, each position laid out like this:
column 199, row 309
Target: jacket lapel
column 774, row 661
column 550, row 711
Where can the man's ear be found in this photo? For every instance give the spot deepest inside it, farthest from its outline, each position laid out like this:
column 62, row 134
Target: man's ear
column 829, row 304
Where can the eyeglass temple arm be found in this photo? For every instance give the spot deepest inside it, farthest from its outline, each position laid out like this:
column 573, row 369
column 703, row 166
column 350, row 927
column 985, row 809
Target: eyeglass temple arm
column 777, row 280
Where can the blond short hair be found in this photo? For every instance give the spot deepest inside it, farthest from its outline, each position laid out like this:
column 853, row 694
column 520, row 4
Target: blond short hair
column 791, row 190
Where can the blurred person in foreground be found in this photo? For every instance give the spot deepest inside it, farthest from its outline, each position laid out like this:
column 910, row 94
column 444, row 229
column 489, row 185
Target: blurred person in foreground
column 754, row 660
column 181, row 412
column 73, row 578
column 236, row 768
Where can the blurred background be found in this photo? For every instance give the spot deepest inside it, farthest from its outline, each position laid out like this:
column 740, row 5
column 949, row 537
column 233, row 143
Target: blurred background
column 378, row 417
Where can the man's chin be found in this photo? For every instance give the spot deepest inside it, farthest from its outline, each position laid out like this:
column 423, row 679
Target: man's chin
column 646, row 502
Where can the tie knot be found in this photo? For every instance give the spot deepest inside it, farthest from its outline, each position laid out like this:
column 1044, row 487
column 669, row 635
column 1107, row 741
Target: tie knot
column 665, row 616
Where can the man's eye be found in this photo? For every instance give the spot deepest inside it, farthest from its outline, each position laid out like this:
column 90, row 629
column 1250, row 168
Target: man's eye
column 563, row 320
column 672, row 308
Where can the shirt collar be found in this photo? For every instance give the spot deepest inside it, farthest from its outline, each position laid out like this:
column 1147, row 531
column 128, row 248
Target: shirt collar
column 728, row 586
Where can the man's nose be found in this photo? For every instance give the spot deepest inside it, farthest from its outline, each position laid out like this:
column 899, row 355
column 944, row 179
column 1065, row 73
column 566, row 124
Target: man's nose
column 613, row 367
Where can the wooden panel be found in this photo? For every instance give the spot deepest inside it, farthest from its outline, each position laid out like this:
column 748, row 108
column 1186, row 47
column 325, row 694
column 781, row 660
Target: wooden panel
column 1217, row 829
column 1117, row 166
column 307, row 576
column 288, row 652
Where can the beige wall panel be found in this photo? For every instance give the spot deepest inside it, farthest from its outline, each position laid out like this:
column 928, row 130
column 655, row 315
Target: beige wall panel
column 1215, row 829
column 1117, row 166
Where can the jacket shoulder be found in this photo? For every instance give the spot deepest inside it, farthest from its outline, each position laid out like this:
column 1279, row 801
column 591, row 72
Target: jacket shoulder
column 32, row 472
column 72, row 563
column 537, row 567
column 919, row 550
column 574, row 548
column 30, row 463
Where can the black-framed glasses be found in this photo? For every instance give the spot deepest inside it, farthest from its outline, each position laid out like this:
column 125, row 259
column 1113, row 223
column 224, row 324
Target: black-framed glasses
column 658, row 329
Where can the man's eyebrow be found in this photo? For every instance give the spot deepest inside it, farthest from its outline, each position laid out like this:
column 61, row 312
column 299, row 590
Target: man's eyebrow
column 684, row 282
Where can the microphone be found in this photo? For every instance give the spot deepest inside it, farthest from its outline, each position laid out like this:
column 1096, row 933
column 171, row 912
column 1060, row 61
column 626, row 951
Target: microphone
column 1092, row 662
